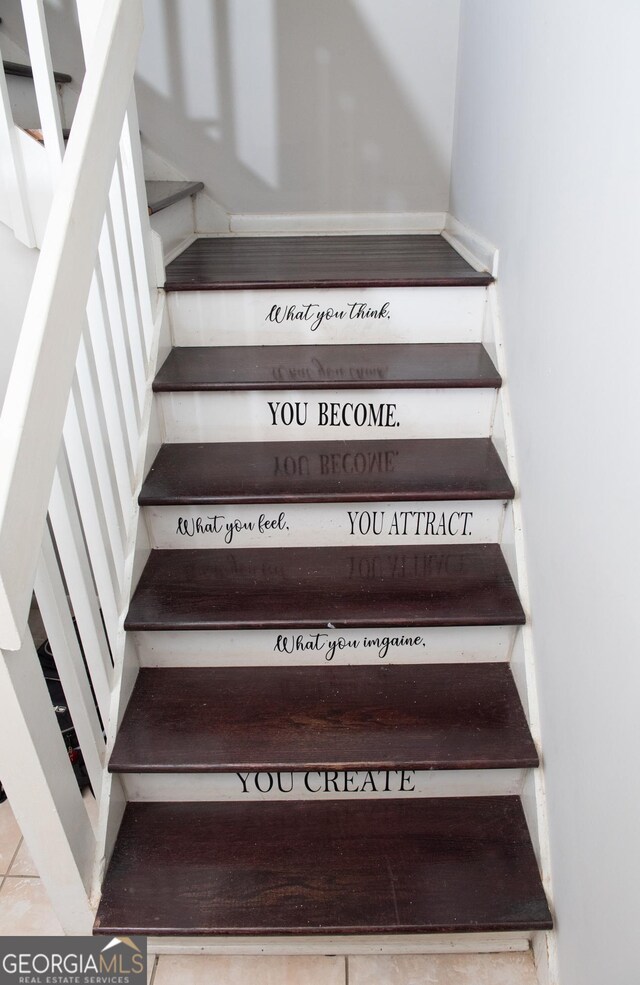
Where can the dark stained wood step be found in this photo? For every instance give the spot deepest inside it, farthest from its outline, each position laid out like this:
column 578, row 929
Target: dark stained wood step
column 225, row 719
column 162, row 194
column 306, row 367
column 230, row 262
column 309, row 587
column 26, row 72
column 326, row 472
column 433, row 865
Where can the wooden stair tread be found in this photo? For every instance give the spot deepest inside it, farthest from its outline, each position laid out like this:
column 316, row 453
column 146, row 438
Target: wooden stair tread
column 308, row 587
column 232, row 262
column 433, row 865
column 326, row 472
column 39, row 136
column 307, row 367
column 162, row 194
column 225, row 719
column 26, row 72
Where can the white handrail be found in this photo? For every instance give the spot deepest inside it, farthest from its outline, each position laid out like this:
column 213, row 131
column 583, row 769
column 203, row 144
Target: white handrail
column 40, row 383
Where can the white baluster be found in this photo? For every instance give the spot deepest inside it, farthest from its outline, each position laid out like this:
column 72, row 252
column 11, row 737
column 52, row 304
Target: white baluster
column 109, row 341
column 140, row 228
column 61, row 633
column 16, row 210
column 72, row 552
column 43, row 368
column 42, row 788
column 44, row 82
column 101, row 368
column 124, row 261
column 105, row 567
column 86, row 388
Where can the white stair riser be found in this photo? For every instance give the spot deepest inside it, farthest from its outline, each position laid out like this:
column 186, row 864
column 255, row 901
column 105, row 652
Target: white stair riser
column 325, row 524
column 345, row 944
column 174, row 225
column 24, row 105
column 293, row 415
column 322, row 785
column 40, row 191
column 315, row 647
column 327, row 315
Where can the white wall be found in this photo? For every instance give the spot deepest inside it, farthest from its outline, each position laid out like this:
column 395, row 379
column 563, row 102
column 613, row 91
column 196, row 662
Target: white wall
column 547, row 165
column 301, row 105
column 17, row 267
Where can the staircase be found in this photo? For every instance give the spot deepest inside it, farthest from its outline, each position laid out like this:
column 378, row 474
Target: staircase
column 325, row 740
column 326, row 744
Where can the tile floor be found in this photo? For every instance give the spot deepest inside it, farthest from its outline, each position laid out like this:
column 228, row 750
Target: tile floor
column 24, row 907
column 25, row 911
column 406, row 969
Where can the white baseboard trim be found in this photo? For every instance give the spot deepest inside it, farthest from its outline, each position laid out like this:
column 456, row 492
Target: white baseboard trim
column 336, row 223
column 477, row 251
column 348, row 944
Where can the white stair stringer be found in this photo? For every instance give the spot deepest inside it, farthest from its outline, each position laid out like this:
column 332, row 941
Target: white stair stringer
column 522, row 660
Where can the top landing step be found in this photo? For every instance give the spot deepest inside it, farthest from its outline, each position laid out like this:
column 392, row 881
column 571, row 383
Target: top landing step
column 257, row 262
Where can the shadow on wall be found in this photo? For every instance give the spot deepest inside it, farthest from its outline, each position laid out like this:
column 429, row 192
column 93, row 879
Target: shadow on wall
column 302, row 105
